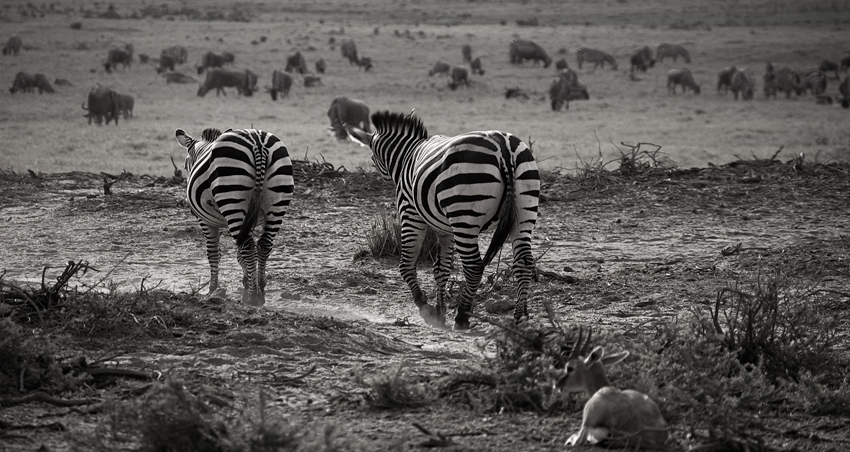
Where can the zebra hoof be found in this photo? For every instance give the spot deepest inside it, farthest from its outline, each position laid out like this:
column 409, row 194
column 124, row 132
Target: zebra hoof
column 219, row 293
column 432, row 316
column 253, row 299
column 461, row 325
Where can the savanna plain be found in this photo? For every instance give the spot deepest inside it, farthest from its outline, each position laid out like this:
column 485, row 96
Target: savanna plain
column 704, row 235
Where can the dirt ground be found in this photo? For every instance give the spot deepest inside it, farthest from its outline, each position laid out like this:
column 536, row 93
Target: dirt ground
column 642, row 250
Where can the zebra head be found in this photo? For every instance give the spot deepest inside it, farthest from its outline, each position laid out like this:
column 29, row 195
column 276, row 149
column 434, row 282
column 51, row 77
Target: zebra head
column 396, row 134
column 195, row 147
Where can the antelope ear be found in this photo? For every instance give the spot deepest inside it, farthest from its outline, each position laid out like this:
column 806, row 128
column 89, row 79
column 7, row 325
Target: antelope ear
column 358, row 135
column 615, row 358
column 182, row 138
column 595, row 355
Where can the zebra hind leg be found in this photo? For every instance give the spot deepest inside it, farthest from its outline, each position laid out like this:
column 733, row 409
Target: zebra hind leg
column 442, row 271
column 214, row 257
column 523, row 267
column 470, row 256
column 248, row 259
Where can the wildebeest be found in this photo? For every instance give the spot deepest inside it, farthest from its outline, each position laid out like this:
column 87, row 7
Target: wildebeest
column 312, row 80
column 211, row 60
column 349, row 51
column 179, row 54
column 827, row 65
column 440, row 67
column 475, row 65
column 566, row 88
column 466, row 50
column 281, row 82
column 320, row 66
column 346, row 111
column 845, row 63
column 844, row 89
column 459, row 76
column 521, row 50
column 724, row 78
column 125, row 105
column 365, row 63
column 13, row 45
column 244, row 81
column 561, row 64
column 119, row 56
column 102, row 104
column 511, row 93
column 42, row 84
column 296, row 62
column 642, row 59
column 23, row 82
column 166, row 63
column 178, row 77
column 682, row 77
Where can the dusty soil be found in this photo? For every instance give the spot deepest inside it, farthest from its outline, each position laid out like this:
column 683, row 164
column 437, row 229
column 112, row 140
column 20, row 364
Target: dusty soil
column 642, row 250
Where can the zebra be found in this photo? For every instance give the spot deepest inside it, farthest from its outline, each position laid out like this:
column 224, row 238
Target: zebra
column 744, row 81
column 782, row 79
column 458, row 187
column 671, row 50
column 814, row 80
column 597, row 57
column 179, row 54
column 238, row 179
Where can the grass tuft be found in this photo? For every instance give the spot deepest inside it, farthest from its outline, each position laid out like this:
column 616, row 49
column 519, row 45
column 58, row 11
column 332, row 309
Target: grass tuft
column 384, row 239
column 395, row 390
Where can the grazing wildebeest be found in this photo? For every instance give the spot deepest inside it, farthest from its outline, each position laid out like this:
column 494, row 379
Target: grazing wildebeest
column 845, row 63
column 642, row 59
column 724, row 78
column 13, row 45
column 178, row 77
column 365, row 63
column 349, row 51
column 312, row 80
column 345, row 111
column 228, row 57
column 460, row 76
column 521, row 50
column 296, row 62
column 844, row 89
column 125, row 105
column 166, row 63
column 42, row 84
column 559, row 93
column 682, row 77
column 320, row 66
column 561, row 64
column 475, row 65
column 119, row 56
column 281, row 82
column 210, row 60
column 244, row 82
column 179, row 54
column 466, row 50
column 440, row 68
column 102, row 104
column 827, row 65
column 511, row 93
column 23, row 82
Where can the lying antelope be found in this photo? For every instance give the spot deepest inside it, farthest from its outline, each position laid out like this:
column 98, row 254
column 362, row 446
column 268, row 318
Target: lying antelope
column 610, row 414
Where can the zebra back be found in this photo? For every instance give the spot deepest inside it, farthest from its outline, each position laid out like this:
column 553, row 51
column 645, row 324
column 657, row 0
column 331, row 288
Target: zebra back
column 671, row 50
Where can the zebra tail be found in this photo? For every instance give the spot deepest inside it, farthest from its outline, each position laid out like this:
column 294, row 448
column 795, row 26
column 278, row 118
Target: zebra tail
column 507, row 211
column 250, row 216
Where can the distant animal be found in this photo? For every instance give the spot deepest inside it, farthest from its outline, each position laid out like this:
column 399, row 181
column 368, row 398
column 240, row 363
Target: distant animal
column 627, row 418
column 13, row 45
column 320, row 66
column 597, row 57
column 458, row 187
column 845, row 63
column 144, row 58
column 23, row 82
column 570, row 75
column 724, row 78
column 178, row 77
column 823, row 99
column 244, row 81
column 348, row 111
column 295, row 62
column 441, row 68
column 827, row 65
column 210, row 60
column 238, row 180
column 511, row 93
column 365, row 63
column 118, row 56
column 281, row 82
column 459, row 76
column 782, row 79
column 312, row 80
column 559, row 93
column 844, row 89
column 102, row 104
column 62, row 82
column 166, row 63
column 229, row 58
column 179, row 53
column 466, row 50
column 561, row 64
column 814, row 80
column 642, row 59
column 665, row 50
column 682, row 77
column 475, row 65
column 349, row 51
column 521, row 50
column 42, row 84
column 125, row 105
column 744, row 82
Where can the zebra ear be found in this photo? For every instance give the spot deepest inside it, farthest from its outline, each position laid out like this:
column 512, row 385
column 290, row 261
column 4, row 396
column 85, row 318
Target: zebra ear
column 182, row 138
column 358, row 135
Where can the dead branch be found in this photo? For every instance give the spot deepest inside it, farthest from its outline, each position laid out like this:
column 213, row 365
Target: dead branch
column 45, row 398
column 434, row 440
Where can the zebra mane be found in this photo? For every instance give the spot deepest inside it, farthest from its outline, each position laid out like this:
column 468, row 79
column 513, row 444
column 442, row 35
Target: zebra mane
column 210, row 134
column 386, row 122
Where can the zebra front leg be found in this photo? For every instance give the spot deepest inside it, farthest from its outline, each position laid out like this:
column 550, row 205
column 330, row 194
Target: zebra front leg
column 470, row 256
column 442, row 271
column 214, row 257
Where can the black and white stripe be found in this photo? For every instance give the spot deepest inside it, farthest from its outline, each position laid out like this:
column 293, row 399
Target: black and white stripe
column 814, row 80
column 744, row 82
column 178, row 53
column 674, row 51
column 597, row 57
column 783, row 79
column 459, row 187
column 238, row 180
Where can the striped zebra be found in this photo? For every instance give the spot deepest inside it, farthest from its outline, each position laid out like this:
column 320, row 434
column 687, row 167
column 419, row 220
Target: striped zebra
column 783, row 79
column 814, row 80
column 597, row 57
column 744, row 81
column 178, row 53
column 239, row 179
column 458, row 187
column 671, row 50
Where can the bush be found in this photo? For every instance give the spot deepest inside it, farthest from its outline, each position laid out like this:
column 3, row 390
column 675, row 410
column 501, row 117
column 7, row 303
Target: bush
column 28, row 363
column 384, row 239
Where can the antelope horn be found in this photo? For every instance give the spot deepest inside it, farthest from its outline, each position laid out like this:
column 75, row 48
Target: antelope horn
column 580, row 349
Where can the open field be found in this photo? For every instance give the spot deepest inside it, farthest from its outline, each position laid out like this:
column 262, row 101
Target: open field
column 644, row 256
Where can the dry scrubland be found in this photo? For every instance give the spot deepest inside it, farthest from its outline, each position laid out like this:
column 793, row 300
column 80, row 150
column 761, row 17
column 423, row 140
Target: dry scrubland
column 727, row 283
